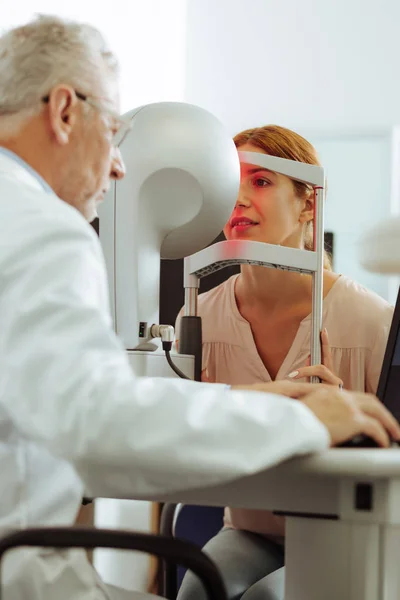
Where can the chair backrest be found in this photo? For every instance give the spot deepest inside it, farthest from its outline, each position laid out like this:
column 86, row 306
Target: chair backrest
column 171, row 550
column 196, row 524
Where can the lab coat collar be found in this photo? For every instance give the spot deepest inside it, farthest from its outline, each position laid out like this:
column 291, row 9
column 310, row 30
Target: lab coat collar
column 12, row 164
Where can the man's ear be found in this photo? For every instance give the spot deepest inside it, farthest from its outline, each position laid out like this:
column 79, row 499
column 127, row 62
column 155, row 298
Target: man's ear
column 307, row 211
column 62, row 113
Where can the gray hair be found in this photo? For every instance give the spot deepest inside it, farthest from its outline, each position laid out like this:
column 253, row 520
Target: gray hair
column 46, row 52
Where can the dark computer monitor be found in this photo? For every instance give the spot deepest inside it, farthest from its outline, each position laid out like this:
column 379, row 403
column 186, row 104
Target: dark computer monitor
column 389, row 381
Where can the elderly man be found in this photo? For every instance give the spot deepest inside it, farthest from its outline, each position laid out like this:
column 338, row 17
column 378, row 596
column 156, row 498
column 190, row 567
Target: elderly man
column 72, row 414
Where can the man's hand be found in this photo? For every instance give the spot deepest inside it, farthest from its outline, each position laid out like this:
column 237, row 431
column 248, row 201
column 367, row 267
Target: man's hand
column 344, row 414
column 347, row 414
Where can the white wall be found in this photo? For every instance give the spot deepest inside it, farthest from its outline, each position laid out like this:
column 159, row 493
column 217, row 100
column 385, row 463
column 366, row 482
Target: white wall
column 330, row 69
column 147, row 36
column 301, row 63
column 360, row 194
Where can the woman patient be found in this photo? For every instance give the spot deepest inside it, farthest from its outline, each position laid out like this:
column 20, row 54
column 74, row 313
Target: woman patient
column 256, row 328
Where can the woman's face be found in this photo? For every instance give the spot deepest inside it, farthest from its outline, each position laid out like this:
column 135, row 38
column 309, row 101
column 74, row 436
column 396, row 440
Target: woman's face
column 267, row 209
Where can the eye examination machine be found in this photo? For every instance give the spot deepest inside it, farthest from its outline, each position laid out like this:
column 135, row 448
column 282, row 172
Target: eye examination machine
column 342, row 508
column 182, row 181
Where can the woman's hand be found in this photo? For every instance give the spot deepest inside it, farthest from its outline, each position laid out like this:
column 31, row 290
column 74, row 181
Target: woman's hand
column 205, row 378
column 325, row 371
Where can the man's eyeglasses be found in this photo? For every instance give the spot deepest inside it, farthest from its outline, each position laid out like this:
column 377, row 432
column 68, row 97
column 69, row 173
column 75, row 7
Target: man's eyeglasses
column 123, row 125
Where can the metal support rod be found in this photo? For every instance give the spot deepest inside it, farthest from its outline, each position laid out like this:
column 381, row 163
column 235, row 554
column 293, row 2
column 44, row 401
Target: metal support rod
column 317, row 279
column 191, row 294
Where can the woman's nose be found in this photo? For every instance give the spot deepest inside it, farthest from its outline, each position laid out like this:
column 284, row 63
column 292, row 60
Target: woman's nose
column 242, row 199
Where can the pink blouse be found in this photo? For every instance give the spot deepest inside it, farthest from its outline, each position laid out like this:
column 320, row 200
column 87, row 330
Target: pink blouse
column 358, row 323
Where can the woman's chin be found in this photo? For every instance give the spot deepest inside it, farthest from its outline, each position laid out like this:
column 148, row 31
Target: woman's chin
column 248, row 233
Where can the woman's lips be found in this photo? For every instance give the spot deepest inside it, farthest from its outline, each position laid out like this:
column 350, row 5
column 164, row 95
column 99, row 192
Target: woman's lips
column 242, row 224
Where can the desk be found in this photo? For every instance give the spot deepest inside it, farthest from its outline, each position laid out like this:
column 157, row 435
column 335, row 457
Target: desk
column 343, row 520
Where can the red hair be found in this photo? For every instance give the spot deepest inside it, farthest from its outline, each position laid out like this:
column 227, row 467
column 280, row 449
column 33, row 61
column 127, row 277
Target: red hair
column 285, row 143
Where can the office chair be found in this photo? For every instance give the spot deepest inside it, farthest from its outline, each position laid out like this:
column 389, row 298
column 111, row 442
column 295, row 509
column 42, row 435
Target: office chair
column 194, row 524
column 171, row 550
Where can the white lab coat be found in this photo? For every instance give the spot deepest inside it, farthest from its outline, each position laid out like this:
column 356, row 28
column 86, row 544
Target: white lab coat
column 73, row 417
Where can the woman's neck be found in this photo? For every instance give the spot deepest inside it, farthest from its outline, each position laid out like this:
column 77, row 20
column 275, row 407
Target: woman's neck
column 272, row 289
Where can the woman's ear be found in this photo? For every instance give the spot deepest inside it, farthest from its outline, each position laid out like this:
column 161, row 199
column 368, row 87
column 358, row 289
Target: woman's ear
column 307, row 212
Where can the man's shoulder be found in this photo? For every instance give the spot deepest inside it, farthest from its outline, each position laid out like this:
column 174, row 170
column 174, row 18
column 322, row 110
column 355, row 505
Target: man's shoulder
column 39, row 213
column 48, row 245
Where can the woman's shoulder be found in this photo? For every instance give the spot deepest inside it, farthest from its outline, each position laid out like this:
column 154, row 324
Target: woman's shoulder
column 355, row 313
column 218, row 312
column 359, row 297
column 217, row 301
column 216, row 309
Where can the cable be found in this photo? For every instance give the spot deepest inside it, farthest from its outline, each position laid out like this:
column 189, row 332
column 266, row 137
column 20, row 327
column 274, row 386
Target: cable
column 167, row 349
column 166, row 333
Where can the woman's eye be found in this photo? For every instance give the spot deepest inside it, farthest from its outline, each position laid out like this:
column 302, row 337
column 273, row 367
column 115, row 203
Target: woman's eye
column 260, row 182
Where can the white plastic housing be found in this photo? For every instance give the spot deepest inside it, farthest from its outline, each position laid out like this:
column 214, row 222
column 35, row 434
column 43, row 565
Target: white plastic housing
column 182, row 181
column 312, row 174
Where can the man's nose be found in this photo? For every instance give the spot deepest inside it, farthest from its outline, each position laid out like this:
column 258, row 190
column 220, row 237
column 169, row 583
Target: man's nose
column 117, row 165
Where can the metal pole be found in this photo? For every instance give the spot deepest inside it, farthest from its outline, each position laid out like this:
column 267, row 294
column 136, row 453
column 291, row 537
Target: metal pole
column 191, row 294
column 317, row 279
